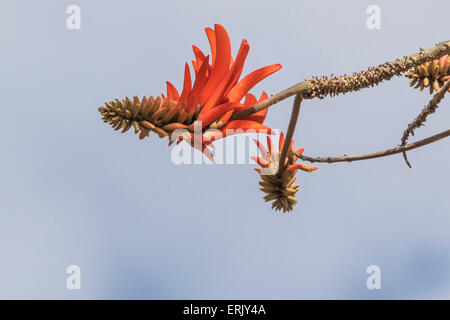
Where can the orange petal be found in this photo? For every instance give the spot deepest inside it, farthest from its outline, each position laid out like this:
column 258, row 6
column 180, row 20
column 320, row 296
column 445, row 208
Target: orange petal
column 238, row 66
column 195, row 66
column 250, row 81
column 172, row 92
column 199, row 55
column 215, row 113
column 281, row 143
column 221, row 63
column 259, row 116
column 250, row 100
column 261, row 148
column 212, row 43
column 227, row 116
column 229, row 79
column 211, row 134
column 186, row 85
column 292, row 146
column 262, row 162
column 300, row 151
column 301, row 166
column 270, row 144
column 263, row 97
column 200, row 81
column 174, row 126
column 233, row 126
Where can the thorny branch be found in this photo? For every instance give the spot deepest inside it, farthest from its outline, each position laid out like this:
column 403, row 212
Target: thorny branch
column 388, row 152
column 422, row 117
column 320, row 87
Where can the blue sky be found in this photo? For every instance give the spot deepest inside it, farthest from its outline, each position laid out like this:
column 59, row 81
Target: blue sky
column 76, row 192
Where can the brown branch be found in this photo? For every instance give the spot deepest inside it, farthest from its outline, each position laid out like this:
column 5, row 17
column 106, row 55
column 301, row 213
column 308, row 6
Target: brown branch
column 320, row 87
column 290, row 132
column 378, row 154
column 422, row 117
column 298, row 88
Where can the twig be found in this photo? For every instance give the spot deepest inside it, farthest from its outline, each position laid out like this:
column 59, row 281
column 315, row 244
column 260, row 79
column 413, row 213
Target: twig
column 388, row 152
column 320, row 87
column 298, row 88
column 290, row 132
column 422, row 117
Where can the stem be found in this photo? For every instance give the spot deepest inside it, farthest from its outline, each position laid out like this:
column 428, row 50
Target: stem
column 304, row 86
column 320, row 87
column 290, row 132
column 379, row 154
column 422, row 117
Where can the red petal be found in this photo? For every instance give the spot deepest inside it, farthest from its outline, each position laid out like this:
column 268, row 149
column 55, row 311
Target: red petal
column 259, row 116
column 270, row 144
column 238, row 66
column 301, row 166
column 215, row 113
column 300, row 151
column 250, row 100
column 250, row 81
column 200, row 81
column 263, row 97
column 262, row 162
column 186, row 85
column 244, row 125
column 212, row 43
column 261, row 148
column 227, row 115
column 229, row 79
column 195, row 66
column 172, row 92
column 281, row 143
column 292, row 146
column 199, row 55
column 221, row 63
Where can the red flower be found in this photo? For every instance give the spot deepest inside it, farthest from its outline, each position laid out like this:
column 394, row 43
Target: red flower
column 279, row 187
column 213, row 97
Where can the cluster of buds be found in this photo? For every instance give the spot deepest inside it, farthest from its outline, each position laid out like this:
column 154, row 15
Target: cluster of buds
column 146, row 115
column 431, row 74
column 278, row 185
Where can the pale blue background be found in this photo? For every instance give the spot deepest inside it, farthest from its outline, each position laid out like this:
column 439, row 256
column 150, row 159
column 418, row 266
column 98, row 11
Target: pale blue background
column 73, row 191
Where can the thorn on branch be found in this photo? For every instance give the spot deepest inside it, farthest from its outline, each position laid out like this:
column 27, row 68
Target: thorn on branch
column 419, row 121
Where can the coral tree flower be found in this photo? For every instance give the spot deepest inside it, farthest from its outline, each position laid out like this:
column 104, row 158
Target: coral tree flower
column 279, row 187
column 431, row 74
column 215, row 94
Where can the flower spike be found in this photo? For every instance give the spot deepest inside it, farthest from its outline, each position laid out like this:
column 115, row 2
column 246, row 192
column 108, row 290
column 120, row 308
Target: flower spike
column 279, row 187
column 212, row 97
column 431, row 74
